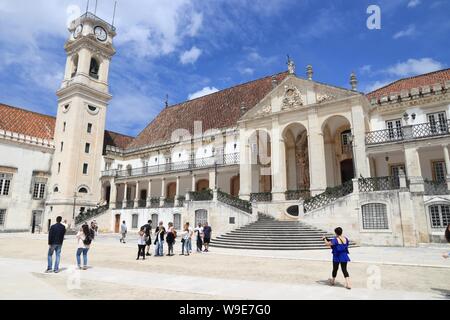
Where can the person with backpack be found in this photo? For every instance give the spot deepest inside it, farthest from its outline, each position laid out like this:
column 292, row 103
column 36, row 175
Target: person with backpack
column 148, row 233
column 84, row 237
column 170, row 238
column 141, row 243
column 339, row 245
column 186, row 240
column 160, row 232
column 55, row 242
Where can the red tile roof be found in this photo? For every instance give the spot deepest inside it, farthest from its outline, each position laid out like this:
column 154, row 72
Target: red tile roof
column 216, row 111
column 43, row 126
column 26, row 122
column 431, row 78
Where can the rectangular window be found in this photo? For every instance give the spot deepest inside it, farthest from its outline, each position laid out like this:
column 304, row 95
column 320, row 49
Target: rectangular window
column 87, row 148
column 374, row 216
column 438, row 122
column 89, row 128
column 134, row 221
column 2, row 217
column 5, row 183
column 439, row 170
column 394, row 128
column 59, row 167
column 62, row 146
column 232, row 220
column 64, row 127
column 439, row 215
column 39, row 191
column 85, row 168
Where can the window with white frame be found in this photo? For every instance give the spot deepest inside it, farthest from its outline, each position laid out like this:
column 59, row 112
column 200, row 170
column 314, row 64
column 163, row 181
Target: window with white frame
column 439, row 215
column 374, row 216
column 394, row 128
column 39, row 190
column 2, row 217
column 134, row 221
column 439, row 170
column 5, row 183
column 438, row 122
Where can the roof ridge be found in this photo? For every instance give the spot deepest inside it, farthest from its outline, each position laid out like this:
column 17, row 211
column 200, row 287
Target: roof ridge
column 408, row 78
column 25, row 110
column 125, row 135
column 229, row 88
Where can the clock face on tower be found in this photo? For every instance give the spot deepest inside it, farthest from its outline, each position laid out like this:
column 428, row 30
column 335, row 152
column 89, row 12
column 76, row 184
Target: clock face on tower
column 100, row 33
column 77, row 31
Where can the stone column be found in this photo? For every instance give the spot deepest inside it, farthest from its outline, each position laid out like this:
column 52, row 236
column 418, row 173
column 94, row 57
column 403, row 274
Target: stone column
column 245, row 167
column 359, row 141
column 177, row 193
column 447, row 164
column 193, row 189
column 125, row 199
column 136, row 196
column 113, row 195
column 149, row 194
column 212, row 180
column 316, row 148
column 412, row 162
column 278, row 164
column 163, row 192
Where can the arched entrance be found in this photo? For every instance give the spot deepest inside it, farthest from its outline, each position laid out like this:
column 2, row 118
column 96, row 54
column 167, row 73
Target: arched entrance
column 338, row 138
column 235, row 186
column 261, row 160
column 297, row 157
column 202, row 185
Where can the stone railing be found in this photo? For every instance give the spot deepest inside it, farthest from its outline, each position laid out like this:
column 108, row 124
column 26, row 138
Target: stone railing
column 261, row 197
column 435, row 188
column 378, row 184
column 90, row 213
column 142, row 203
column 297, row 194
column 417, row 131
column 330, row 195
column 19, row 137
column 236, row 202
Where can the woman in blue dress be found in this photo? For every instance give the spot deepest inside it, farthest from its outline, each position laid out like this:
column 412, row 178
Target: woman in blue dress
column 339, row 246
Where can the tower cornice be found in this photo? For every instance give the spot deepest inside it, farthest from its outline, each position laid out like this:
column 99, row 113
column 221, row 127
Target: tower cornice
column 82, row 89
column 89, row 42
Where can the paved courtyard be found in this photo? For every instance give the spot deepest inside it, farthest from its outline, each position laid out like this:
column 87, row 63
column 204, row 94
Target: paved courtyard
column 377, row 273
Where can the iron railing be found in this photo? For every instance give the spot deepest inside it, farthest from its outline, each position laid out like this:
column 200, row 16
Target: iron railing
column 169, row 203
column 154, row 202
column 119, row 204
column 129, row 204
column 417, row 131
column 297, row 194
column 90, row 213
column 435, row 188
column 142, row 203
column 330, row 195
column 205, row 195
column 378, row 184
column 261, row 197
column 236, row 202
column 193, row 164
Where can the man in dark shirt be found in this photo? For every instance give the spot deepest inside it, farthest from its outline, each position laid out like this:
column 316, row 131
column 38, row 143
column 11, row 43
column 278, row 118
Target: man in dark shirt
column 55, row 241
column 148, row 232
column 206, row 236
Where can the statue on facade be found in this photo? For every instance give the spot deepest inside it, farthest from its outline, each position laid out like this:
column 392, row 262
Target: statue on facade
column 291, row 65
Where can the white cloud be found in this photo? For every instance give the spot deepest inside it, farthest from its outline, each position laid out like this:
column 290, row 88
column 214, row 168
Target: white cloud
column 413, row 67
column 376, row 85
column 410, row 31
column 413, row 3
column 204, row 92
column 247, row 71
column 366, row 69
column 190, row 56
column 195, row 25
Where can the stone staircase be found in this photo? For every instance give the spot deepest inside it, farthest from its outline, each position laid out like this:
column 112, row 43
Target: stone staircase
column 270, row 234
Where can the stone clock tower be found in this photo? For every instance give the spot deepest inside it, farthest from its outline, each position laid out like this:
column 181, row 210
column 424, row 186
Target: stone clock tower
column 80, row 122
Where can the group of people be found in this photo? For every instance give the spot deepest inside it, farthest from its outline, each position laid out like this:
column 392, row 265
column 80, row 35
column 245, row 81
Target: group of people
column 201, row 234
column 56, row 234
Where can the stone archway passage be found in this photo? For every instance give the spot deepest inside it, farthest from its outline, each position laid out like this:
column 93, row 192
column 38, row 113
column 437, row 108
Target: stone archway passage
column 297, row 157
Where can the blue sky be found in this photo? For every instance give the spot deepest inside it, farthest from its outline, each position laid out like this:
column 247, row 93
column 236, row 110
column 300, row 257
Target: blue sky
column 184, row 48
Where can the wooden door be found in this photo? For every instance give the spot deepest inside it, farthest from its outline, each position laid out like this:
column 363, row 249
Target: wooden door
column 117, row 224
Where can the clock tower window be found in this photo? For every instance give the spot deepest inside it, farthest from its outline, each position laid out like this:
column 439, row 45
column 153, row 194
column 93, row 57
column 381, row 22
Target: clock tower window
column 94, row 68
column 75, row 66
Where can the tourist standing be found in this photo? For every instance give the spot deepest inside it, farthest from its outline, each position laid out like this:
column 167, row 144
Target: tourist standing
column 198, row 237
column 160, row 231
column 170, row 238
column 55, row 242
column 447, row 236
column 339, row 245
column 186, row 240
column 65, row 224
column 141, row 243
column 207, row 232
column 123, row 231
column 84, row 237
column 148, row 234
column 191, row 233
